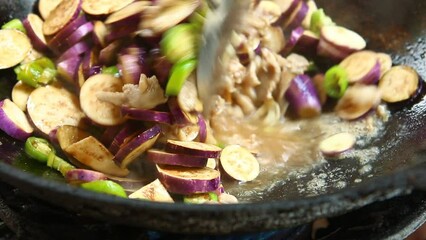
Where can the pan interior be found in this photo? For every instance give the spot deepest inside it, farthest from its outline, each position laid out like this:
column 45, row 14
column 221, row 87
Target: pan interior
column 401, row 145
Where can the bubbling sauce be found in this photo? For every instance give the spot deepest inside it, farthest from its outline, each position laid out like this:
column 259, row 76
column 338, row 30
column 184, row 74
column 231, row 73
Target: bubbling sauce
column 290, row 147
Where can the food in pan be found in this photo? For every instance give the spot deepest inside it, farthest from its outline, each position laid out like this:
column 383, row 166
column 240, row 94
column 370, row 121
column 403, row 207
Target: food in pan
column 106, row 95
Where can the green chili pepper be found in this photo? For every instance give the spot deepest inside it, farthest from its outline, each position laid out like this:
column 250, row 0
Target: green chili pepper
column 201, row 198
column 318, row 20
column 113, row 70
column 336, row 82
column 179, row 43
column 41, row 150
column 36, row 73
column 178, row 75
column 14, row 24
column 38, row 148
column 105, row 186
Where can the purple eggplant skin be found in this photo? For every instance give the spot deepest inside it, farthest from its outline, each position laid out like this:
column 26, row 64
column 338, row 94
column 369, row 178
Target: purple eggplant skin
column 77, row 36
column 136, row 146
column 307, row 45
column 161, row 157
column 286, row 14
column 303, row 97
column 74, row 51
column 196, row 149
column 37, row 43
column 77, row 176
column 300, row 15
column 160, row 66
column 147, row 115
column 10, row 127
column 202, row 135
column 415, row 98
column 56, row 41
column 68, row 68
column 128, row 131
column 186, row 186
column 373, row 76
column 295, row 35
column 179, row 116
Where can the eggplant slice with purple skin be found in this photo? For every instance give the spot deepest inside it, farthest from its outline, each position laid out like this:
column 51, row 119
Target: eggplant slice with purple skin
column 293, row 208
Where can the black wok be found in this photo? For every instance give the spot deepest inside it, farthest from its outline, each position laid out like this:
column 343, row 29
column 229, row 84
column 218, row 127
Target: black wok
column 394, row 26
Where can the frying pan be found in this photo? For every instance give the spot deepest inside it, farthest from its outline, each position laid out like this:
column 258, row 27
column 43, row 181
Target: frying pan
column 394, row 26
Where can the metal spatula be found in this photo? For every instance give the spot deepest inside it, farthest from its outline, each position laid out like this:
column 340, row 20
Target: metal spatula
column 216, row 34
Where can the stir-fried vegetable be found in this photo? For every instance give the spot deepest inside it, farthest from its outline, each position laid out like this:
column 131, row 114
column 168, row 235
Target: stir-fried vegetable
column 336, row 82
column 41, row 150
column 127, row 69
column 14, row 24
column 39, row 72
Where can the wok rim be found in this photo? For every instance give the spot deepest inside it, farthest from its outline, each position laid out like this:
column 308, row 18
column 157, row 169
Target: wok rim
column 383, row 187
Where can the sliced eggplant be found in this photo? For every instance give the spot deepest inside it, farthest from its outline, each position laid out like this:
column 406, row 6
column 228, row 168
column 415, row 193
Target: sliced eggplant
column 47, row 6
column 101, row 112
column 50, row 107
column 161, row 157
column 399, row 83
column 202, row 135
column 78, row 35
column 13, row 121
column 65, row 12
column 287, row 7
column 307, row 43
column 385, row 61
column 147, row 115
column 295, row 35
column 20, row 94
column 338, row 42
column 239, row 163
column 157, row 19
column 299, row 14
column 68, row 135
column 185, row 181
column 103, row 7
column 357, row 101
column 14, row 47
column 90, row 152
column 318, row 81
column 336, row 144
column 362, row 67
column 180, row 117
column 57, row 39
column 68, row 69
column 75, row 51
column 100, row 31
column 154, row 191
column 137, row 146
column 226, row 198
column 196, row 149
column 34, row 26
column 78, row 176
column 128, row 15
column 124, row 135
column 302, row 97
